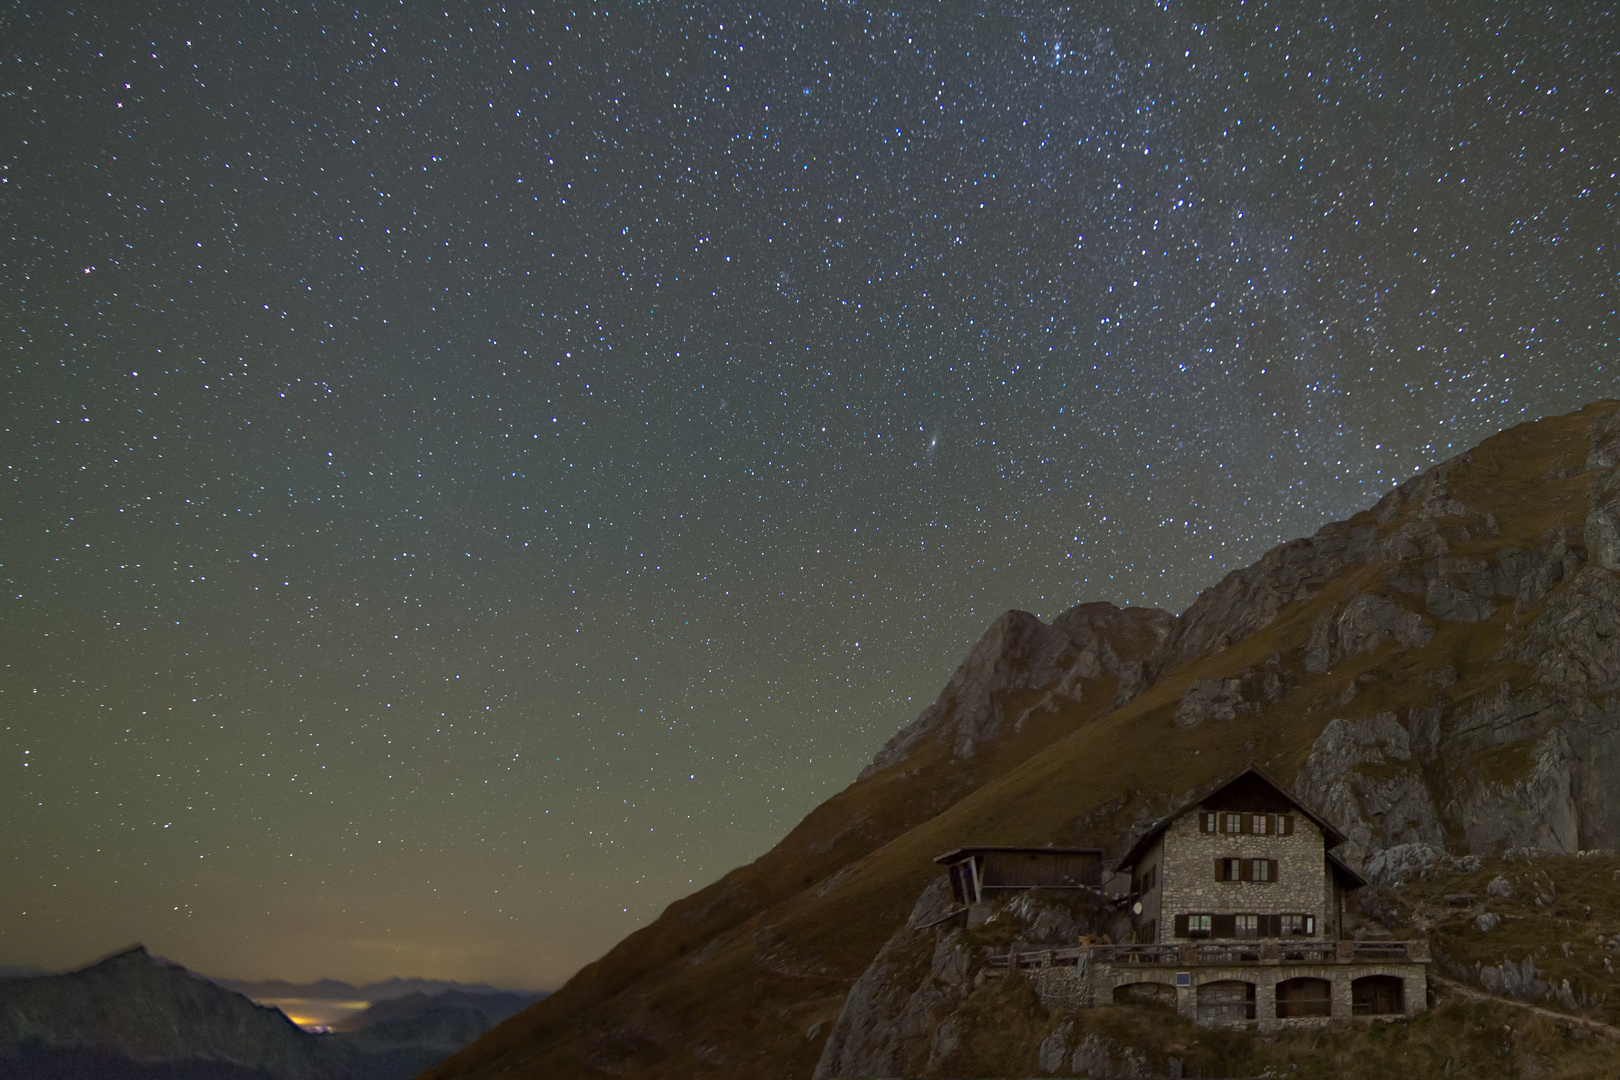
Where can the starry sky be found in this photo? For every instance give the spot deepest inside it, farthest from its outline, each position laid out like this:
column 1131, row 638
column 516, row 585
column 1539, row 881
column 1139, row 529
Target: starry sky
column 474, row 474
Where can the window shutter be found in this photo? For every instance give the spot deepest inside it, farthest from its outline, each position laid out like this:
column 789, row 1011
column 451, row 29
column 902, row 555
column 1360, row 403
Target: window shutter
column 1209, row 821
column 1246, row 824
column 1285, row 825
column 1245, row 871
column 1271, row 926
column 1271, row 870
column 1181, row 926
column 1224, row 926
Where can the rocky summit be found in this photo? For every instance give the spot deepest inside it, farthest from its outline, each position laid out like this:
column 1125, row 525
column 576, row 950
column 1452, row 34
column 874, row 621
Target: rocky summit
column 1439, row 676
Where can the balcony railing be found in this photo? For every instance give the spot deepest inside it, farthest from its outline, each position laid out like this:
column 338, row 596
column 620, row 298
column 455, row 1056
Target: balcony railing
column 1224, row 953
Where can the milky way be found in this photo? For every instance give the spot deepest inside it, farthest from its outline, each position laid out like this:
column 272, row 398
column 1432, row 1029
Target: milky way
column 473, row 475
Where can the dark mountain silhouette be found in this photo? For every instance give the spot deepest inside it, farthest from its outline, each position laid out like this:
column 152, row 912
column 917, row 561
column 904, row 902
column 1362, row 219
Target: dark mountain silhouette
column 334, row 990
column 133, row 1016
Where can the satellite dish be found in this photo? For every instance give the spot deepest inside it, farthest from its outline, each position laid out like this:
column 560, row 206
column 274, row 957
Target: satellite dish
column 1136, row 908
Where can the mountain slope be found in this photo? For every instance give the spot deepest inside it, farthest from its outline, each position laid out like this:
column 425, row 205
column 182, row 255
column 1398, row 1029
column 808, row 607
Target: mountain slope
column 1023, row 685
column 1438, row 670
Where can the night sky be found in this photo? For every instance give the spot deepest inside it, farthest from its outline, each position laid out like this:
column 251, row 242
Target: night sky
column 475, row 474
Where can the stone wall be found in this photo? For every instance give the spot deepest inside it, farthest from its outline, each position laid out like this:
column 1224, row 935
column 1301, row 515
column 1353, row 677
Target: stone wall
column 1081, row 986
column 1187, row 872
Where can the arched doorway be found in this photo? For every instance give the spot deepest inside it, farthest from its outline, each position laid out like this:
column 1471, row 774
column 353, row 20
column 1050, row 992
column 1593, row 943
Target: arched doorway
column 1225, row 1002
column 1146, row 993
column 1377, row 995
column 1304, row 997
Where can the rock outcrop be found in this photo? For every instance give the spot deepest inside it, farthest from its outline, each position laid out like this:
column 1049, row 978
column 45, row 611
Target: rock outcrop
column 901, row 1015
column 1019, row 652
column 1362, row 625
column 1361, row 773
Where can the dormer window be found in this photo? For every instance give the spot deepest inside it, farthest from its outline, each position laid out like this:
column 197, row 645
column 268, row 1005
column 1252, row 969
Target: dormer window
column 1232, row 823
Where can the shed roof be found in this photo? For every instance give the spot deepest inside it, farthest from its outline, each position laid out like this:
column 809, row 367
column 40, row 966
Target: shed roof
column 958, row 854
column 1248, row 777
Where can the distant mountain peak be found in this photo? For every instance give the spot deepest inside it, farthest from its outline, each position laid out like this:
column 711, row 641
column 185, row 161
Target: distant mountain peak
column 128, row 955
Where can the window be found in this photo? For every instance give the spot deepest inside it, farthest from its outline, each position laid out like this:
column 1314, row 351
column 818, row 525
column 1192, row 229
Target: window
column 1194, row 925
column 1234, row 824
column 1376, row 995
column 1304, row 997
column 1209, row 821
column 1246, row 926
column 1148, row 880
column 1296, row 926
column 1233, row 869
column 1261, row 824
column 1225, row 1002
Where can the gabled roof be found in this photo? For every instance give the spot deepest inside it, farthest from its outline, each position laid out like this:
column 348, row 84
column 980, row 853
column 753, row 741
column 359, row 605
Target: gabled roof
column 958, row 854
column 1342, row 869
column 1247, row 777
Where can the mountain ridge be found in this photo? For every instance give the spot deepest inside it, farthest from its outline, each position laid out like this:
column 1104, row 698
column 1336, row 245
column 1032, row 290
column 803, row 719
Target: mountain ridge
column 132, row 1015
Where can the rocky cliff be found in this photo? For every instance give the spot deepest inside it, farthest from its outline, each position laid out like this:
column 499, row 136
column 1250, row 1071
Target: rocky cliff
column 1438, row 673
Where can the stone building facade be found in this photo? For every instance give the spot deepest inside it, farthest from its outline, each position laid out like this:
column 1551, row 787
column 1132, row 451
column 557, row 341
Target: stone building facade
column 1248, row 860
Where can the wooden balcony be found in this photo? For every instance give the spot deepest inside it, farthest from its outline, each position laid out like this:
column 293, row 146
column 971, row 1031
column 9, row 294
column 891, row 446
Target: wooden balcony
column 1224, row 954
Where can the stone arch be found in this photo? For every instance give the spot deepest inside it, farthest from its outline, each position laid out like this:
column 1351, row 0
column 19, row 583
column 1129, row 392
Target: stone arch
column 1378, row 995
column 1304, row 997
column 1225, row 1001
column 1146, row 992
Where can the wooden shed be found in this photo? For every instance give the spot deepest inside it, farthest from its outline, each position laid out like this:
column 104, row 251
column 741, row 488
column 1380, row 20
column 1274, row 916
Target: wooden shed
column 976, row 871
